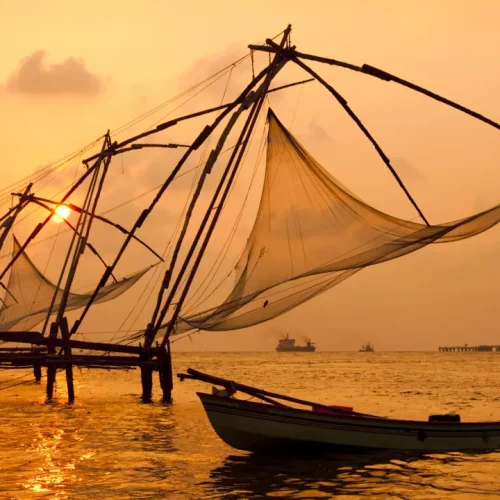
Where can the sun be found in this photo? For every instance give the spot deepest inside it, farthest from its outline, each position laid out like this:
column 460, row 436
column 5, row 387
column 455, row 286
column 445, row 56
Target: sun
column 62, row 212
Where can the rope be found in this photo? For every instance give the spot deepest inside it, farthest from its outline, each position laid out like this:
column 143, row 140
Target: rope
column 168, row 248
column 227, row 243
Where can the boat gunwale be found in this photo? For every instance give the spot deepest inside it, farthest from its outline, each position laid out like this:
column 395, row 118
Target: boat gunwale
column 380, row 422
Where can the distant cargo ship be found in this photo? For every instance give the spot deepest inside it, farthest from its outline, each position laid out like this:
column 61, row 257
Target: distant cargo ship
column 288, row 345
column 367, row 348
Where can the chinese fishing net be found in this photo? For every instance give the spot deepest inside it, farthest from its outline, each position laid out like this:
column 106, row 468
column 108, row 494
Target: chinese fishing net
column 29, row 294
column 309, row 235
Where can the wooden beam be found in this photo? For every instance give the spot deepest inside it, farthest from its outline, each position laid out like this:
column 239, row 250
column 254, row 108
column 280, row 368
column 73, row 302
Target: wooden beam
column 119, row 148
column 232, row 386
column 36, row 338
column 63, row 361
column 382, row 75
column 365, row 131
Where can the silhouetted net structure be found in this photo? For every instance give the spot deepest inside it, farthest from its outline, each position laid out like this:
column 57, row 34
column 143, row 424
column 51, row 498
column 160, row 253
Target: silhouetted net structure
column 310, row 234
column 29, row 294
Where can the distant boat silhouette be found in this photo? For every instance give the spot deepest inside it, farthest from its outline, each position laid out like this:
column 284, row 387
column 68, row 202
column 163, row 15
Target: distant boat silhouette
column 288, row 345
column 368, row 347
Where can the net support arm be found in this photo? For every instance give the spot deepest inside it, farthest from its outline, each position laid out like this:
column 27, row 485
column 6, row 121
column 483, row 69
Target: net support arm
column 276, row 65
column 75, row 230
column 98, row 217
column 251, row 100
column 118, row 148
column 202, row 137
column 41, row 225
column 382, row 75
column 7, row 220
column 365, row 131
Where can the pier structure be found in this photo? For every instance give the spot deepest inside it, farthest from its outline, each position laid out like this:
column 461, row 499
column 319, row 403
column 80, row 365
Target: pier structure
column 470, row 348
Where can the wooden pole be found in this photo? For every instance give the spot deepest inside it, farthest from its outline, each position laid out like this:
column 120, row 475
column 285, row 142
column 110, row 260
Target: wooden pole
column 37, row 368
column 202, row 137
column 382, row 75
column 146, row 377
column 7, row 225
column 119, row 148
column 51, row 370
column 37, row 339
column 275, row 66
column 165, row 372
column 230, row 169
column 41, row 225
column 365, row 131
column 42, row 202
column 69, row 366
column 232, row 387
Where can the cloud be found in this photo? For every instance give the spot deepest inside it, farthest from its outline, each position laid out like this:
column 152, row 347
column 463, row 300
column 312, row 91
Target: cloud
column 406, row 170
column 317, row 132
column 211, row 64
column 35, row 76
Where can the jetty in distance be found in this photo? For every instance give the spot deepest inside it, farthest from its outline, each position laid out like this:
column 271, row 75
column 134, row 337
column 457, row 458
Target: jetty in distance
column 470, row 348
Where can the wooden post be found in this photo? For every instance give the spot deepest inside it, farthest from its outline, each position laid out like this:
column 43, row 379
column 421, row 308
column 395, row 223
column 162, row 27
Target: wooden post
column 147, row 382
column 37, row 368
column 69, row 366
column 165, row 372
column 146, row 373
column 51, row 369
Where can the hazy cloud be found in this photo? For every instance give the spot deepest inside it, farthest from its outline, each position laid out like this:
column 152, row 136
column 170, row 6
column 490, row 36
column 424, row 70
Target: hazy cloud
column 211, row 64
column 317, row 132
column 406, row 170
column 35, row 76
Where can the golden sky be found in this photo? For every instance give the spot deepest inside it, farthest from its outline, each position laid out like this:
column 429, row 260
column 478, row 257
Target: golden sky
column 71, row 70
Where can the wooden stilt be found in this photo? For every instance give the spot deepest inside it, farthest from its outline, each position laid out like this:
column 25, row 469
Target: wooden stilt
column 37, row 372
column 51, row 370
column 51, row 380
column 37, row 367
column 165, row 372
column 147, row 383
column 69, row 366
column 146, row 374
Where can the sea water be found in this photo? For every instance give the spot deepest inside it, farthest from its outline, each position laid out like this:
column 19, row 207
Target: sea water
column 109, row 445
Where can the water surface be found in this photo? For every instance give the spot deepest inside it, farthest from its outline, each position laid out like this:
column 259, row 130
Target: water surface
column 109, row 445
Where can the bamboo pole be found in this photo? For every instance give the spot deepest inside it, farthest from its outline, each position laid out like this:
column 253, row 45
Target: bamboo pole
column 51, row 370
column 42, row 201
column 230, row 170
column 63, row 325
column 119, row 147
column 37, row 339
column 41, row 225
column 232, row 386
column 275, row 66
column 202, row 137
column 365, row 131
column 7, row 225
column 367, row 69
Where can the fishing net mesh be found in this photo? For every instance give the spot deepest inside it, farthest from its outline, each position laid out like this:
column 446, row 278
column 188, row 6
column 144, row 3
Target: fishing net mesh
column 310, row 234
column 29, row 294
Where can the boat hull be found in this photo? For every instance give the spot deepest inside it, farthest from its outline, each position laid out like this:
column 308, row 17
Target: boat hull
column 257, row 427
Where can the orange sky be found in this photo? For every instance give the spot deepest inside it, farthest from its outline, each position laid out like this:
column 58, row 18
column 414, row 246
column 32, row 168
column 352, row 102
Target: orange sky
column 128, row 58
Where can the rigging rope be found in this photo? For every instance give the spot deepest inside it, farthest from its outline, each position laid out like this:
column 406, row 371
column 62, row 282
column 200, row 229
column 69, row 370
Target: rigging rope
column 169, row 246
column 229, row 239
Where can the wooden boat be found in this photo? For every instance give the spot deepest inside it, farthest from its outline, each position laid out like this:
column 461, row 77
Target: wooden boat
column 271, row 426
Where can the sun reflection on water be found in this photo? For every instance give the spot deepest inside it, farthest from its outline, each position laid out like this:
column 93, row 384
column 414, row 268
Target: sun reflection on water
column 58, row 470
